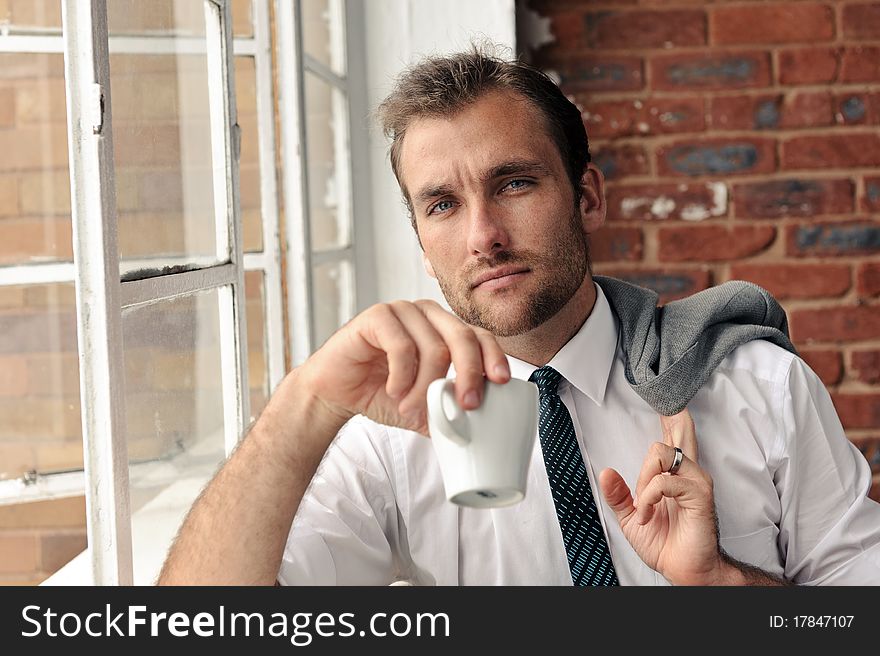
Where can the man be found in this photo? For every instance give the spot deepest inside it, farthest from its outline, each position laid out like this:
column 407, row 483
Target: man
column 494, row 165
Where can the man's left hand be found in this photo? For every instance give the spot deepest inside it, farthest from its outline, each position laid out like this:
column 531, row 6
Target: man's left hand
column 671, row 522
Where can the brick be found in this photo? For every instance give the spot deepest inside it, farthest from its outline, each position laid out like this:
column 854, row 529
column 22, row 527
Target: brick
column 36, row 13
column 777, row 23
column 39, row 419
column 831, row 151
column 670, row 284
column 59, row 455
column 868, row 279
column 861, row 21
column 7, row 107
column 53, row 374
column 9, row 205
column 29, row 66
column 710, row 71
column 717, row 157
column 18, row 553
column 70, row 511
column 591, row 73
column 713, row 243
column 36, row 333
column 858, row 410
column 865, row 365
column 34, row 148
column 857, row 108
column 45, row 193
column 689, row 202
column 833, row 239
column 13, row 376
column 147, row 145
column 40, row 101
column 621, row 161
column 793, row 197
column 625, row 118
column 827, row 364
column 809, row 65
column 796, row 280
column 23, row 240
column 616, row 245
column 771, row 112
column 871, row 199
column 645, row 29
column 566, row 25
column 841, row 323
column 16, row 458
column 860, row 65
column 58, row 549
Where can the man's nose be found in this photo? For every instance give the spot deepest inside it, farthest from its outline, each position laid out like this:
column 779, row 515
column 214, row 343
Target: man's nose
column 487, row 233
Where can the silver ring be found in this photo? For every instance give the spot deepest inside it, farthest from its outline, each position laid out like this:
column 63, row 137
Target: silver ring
column 676, row 461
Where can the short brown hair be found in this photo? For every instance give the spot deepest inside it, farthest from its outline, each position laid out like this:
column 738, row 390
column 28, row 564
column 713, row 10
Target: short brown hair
column 441, row 86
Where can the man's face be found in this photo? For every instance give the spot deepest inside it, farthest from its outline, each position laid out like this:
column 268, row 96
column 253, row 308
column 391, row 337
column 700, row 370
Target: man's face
column 501, row 228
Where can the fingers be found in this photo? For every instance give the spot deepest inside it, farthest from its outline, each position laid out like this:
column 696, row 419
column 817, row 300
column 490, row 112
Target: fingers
column 688, row 492
column 616, row 493
column 474, row 351
column 658, row 461
column 679, row 430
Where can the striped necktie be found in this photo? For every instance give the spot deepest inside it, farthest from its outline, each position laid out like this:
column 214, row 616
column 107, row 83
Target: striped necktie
column 588, row 556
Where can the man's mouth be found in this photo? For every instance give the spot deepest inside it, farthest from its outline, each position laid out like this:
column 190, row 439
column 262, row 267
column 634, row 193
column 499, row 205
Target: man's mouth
column 499, row 277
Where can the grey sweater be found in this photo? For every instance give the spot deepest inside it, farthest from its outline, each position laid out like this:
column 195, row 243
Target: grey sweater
column 671, row 351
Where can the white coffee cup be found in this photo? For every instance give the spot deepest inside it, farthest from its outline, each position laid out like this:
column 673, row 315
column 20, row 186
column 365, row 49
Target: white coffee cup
column 484, row 453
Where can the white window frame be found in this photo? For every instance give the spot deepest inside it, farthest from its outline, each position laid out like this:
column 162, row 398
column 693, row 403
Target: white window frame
column 105, row 478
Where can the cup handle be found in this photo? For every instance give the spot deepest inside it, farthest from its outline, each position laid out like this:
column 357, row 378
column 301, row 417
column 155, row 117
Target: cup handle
column 454, row 427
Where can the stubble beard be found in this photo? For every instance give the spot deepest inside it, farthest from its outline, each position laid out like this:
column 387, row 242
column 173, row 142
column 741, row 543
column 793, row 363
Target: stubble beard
column 559, row 274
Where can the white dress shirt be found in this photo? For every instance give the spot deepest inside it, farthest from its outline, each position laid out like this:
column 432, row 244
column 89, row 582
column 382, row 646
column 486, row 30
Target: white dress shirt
column 790, row 489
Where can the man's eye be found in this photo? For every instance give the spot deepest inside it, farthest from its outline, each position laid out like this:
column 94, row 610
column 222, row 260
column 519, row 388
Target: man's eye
column 442, row 206
column 517, row 184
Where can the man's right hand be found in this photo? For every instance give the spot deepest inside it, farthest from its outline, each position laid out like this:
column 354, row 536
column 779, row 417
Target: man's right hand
column 381, row 363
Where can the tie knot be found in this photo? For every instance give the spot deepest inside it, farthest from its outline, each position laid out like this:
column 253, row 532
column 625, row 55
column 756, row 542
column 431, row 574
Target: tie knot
column 547, row 379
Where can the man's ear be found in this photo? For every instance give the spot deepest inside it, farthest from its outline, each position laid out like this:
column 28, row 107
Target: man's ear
column 429, row 268
column 592, row 204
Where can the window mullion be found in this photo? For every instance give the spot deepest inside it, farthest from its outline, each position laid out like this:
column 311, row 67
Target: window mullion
column 98, row 293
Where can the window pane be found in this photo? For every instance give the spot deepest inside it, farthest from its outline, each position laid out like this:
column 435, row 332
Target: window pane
column 326, row 146
column 25, row 15
column 258, row 373
column 242, row 18
column 332, row 290
column 41, row 429
column 156, row 17
column 323, row 30
column 249, row 164
column 174, row 414
column 162, row 139
column 34, row 184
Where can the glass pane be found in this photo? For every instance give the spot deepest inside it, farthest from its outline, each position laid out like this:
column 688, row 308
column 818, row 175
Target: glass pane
column 30, row 15
column 39, row 537
column 323, row 32
column 332, row 286
column 326, row 147
column 258, row 372
column 249, row 164
column 242, row 18
column 40, row 429
column 34, row 184
column 156, row 17
column 162, row 139
column 174, row 414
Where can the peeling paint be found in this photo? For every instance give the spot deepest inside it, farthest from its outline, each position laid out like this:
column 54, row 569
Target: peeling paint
column 534, row 27
column 694, row 212
column 659, row 208
column 719, row 198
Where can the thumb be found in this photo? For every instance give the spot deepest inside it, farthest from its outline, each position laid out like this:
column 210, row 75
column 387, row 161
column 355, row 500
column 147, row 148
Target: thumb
column 617, row 493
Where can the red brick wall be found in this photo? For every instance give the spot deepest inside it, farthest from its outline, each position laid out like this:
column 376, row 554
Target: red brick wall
column 740, row 139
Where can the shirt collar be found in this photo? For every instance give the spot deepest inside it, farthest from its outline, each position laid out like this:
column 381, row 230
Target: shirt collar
column 585, row 360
